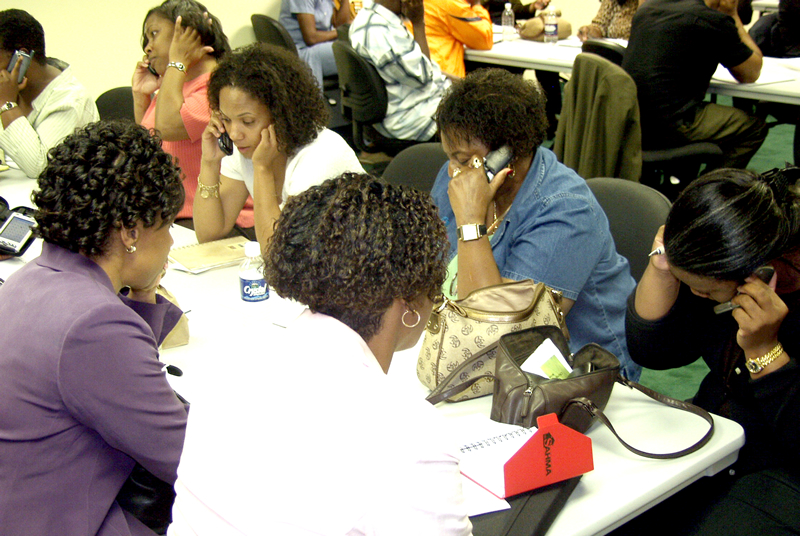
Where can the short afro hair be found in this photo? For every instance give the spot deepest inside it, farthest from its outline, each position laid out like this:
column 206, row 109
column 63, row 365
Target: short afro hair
column 283, row 83
column 350, row 246
column 18, row 30
column 497, row 108
column 105, row 176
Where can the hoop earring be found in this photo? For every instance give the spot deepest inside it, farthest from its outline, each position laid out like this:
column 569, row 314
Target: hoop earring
column 403, row 319
column 130, row 249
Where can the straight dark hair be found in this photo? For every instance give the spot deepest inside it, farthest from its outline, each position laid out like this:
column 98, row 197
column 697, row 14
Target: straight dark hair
column 731, row 221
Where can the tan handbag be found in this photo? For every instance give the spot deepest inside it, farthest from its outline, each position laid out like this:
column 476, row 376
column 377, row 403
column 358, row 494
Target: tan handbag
column 459, row 330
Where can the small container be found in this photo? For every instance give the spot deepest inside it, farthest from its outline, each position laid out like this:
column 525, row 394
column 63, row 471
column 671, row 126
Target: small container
column 509, row 30
column 551, row 26
column 252, row 284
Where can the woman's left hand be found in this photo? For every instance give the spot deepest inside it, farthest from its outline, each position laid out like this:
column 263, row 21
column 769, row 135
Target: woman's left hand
column 187, row 45
column 759, row 316
column 471, row 193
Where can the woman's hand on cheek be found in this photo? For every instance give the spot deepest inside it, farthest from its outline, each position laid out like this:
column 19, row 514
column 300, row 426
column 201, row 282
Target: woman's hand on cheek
column 759, row 316
column 470, row 192
column 267, row 149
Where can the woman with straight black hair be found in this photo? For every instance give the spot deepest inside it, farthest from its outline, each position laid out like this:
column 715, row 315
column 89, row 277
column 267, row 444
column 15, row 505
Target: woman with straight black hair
column 721, row 232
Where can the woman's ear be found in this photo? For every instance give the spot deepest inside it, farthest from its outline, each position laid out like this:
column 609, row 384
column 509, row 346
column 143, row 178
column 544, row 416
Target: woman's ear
column 129, row 236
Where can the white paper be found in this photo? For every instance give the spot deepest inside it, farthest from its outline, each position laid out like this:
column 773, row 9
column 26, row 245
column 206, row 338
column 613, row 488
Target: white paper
column 771, row 75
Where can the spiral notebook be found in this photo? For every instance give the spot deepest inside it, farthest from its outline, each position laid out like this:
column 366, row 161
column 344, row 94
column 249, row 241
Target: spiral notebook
column 199, row 258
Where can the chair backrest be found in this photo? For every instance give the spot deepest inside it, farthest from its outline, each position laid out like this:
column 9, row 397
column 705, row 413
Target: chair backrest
column 635, row 212
column 609, row 50
column 363, row 89
column 599, row 132
column 116, row 103
column 268, row 30
column 416, row 166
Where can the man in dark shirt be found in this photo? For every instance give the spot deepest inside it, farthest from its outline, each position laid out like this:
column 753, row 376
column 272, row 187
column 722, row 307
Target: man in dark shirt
column 673, row 51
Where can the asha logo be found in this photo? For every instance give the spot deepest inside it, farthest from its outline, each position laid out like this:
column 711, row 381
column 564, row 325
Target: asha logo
column 548, row 441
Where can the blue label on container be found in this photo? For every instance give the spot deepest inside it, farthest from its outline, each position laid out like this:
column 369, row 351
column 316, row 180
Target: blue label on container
column 254, row 289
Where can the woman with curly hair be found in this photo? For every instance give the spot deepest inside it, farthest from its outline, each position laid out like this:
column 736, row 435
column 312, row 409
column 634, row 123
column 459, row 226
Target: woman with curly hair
column 537, row 219
column 342, row 450
column 721, row 230
column 182, row 43
column 267, row 102
column 83, row 393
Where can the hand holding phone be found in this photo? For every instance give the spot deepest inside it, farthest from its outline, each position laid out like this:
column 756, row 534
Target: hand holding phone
column 23, row 68
column 764, row 273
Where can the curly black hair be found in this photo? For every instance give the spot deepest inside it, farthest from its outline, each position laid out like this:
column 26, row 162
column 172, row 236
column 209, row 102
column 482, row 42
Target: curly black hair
column 105, row 176
column 191, row 14
column 497, row 108
column 348, row 247
column 283, row 83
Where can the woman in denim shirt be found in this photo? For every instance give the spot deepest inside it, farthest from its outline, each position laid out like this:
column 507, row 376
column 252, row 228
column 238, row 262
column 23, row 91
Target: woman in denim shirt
column 536, row 219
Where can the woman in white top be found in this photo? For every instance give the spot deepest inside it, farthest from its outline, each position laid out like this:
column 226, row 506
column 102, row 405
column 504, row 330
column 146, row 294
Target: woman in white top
column 269, row 104
column 314, row 439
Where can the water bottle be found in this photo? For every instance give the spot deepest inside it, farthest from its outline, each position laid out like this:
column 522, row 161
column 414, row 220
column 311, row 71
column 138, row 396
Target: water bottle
column 550, row 26
column 509, row 31
column 251, row 276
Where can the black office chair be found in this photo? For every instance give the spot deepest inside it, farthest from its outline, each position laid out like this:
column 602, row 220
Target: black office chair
column 268, row 30
column 116, row 103
column 635, row 212
column 364, row 100
column 416, row 166
column 609, row 50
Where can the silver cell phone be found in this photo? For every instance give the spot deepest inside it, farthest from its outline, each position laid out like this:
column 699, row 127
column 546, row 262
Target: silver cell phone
column 15, row 232
column 764, row 273
column 26, row 62
column 496, row 161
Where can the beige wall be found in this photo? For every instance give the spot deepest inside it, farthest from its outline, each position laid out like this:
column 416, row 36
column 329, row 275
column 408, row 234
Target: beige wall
column 101, row 39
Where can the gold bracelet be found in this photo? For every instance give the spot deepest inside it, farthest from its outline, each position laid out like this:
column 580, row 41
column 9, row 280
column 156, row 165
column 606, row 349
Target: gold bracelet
column 208, row 191
column 758, row 364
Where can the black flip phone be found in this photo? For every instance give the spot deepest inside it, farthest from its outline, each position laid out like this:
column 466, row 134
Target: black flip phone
column 497, row 160
column 764, row 273
column 26, row 62
column 225, row 143
column 152, row 70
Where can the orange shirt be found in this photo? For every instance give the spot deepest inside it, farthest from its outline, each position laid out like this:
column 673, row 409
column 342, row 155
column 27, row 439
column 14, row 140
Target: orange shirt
column 451, row 24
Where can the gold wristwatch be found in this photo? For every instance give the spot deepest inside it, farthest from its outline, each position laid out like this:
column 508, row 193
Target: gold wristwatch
column 471, row 231
column 758, row 364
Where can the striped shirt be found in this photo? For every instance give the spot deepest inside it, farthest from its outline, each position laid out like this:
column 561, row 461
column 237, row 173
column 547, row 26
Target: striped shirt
column 58, row 110
column 414, row 83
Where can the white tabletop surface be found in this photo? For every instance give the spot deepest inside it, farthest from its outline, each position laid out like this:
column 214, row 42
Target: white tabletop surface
column 226, row 331
column 560, row 57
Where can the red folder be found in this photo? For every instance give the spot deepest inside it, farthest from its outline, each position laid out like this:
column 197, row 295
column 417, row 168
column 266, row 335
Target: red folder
column 554, row 453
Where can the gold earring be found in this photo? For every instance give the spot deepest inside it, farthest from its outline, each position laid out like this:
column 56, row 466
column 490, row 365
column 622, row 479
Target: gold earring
column 130, row 249
column 416, row 322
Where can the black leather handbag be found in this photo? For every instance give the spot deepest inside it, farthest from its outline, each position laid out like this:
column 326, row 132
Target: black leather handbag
column 521, row 397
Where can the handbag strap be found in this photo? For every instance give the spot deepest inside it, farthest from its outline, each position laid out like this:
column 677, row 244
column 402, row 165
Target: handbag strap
column 589, row 406
column 441, row 393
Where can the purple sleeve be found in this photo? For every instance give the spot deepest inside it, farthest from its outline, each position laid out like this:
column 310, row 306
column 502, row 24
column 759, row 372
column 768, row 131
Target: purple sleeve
column 111, row 381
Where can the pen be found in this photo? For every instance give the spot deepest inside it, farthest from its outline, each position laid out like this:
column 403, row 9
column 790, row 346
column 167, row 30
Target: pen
column 658, row 251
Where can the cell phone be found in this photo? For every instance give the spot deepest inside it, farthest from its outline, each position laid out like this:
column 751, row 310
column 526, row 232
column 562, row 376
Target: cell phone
column 26, row 62
column 764, row 273
column 225, row 143
column 152, row 70
column 15, row 233
column 496, row 161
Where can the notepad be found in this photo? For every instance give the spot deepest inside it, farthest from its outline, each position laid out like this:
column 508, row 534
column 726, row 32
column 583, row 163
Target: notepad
column 199, row 258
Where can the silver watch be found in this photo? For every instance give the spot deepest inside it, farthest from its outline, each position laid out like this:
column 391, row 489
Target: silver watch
column 471, row 231
column 178, row 65
column 8, row 106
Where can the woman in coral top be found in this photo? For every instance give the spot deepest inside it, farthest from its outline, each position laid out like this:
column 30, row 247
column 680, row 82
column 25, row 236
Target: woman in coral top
column 182, row 43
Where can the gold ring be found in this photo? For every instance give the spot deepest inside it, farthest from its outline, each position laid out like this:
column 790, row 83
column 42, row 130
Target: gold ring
column 456, row 171
column 476, row 163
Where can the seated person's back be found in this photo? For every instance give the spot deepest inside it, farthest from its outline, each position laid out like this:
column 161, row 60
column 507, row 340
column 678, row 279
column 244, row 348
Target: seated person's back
column 453, row 24
column 414, row 83
column 49, row 103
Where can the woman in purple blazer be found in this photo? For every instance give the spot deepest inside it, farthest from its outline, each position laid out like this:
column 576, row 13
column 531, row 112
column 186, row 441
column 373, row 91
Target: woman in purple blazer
column 83, row 396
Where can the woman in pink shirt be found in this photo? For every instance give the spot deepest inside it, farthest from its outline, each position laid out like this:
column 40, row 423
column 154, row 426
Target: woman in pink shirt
column 182, row 43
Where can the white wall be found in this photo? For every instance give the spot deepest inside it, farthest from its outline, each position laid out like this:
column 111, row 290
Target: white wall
column 101, row 39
